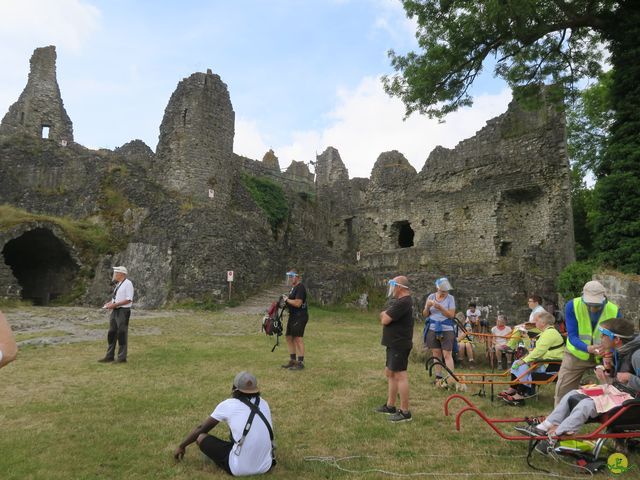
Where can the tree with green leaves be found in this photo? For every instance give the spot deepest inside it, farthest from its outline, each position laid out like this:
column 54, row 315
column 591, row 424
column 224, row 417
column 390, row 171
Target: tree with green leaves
column 532, row 43
column 589, row 121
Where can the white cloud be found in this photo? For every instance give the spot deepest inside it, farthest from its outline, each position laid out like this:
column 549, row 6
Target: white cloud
column 66, row 23
column 366, row 122
column 248, row 140
column 28, row 24
column 392, row 19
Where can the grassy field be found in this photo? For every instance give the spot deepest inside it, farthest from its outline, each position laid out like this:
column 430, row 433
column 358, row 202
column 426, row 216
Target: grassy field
column 64, row 416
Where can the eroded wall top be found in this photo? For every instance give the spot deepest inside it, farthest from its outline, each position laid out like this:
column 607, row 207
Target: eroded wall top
column 39, row 110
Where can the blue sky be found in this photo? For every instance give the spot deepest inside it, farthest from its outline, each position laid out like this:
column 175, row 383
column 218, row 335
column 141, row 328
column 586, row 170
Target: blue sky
column 302, row 74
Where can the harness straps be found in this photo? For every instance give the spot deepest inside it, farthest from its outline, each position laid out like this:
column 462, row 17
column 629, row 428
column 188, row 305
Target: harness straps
column 115, row 291
column 561, row 344
column 254, row 411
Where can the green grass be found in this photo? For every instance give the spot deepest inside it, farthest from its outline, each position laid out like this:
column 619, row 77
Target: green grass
column 91, row 238
column 64, row 416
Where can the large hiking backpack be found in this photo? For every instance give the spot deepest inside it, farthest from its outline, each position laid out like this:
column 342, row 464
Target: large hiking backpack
column 272, row 321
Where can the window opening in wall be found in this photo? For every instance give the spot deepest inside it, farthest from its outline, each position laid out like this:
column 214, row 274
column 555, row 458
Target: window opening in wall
column 46, row 129
column 184, row 117
column 21, row 118
column 505, row 248
column 404, row 232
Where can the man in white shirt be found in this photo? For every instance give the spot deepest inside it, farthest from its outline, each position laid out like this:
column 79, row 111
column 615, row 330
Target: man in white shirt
column 120, row 306
column 249, row 418
column 8, row 347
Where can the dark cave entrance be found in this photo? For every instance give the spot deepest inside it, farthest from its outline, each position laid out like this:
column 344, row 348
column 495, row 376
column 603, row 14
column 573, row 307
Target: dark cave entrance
column 42, row 264
column 405, row 233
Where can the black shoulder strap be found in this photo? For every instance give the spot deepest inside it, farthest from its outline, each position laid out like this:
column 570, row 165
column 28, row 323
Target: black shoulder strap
column 559, row 345
column 254, row 411
column 116, row 290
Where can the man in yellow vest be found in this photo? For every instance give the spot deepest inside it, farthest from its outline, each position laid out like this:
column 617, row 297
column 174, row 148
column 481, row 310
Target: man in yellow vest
column 583, row 315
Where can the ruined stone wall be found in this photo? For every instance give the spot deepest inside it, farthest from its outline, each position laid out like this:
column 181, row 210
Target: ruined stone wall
column 43, row 177
column 286, row 180
column 624, row 291
column 195, row 151
column 40, row 104
column 494, row 214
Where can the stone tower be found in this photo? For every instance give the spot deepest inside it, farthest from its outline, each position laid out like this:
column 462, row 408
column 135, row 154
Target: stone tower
column 39, row 110
column 195, row 150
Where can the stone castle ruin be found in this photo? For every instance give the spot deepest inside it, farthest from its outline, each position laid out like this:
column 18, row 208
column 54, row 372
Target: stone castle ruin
column 494, row 213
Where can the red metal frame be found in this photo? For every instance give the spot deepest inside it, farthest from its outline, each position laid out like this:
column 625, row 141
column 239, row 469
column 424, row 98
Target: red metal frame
column 599, row 432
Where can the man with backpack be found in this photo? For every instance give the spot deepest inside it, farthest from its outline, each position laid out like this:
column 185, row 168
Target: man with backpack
column 251, row 449
column 296, row 302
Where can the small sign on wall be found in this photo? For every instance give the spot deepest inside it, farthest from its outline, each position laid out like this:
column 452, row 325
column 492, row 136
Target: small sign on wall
column 211, row 193
column 358, row 256
column 229, row 275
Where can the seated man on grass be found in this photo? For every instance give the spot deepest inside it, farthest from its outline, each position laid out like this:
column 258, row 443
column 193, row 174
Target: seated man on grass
column 619, row 340
column 251, row 450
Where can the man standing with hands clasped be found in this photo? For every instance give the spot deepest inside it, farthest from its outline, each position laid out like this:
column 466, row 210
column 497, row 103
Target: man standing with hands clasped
column 120, row 306
column 397, row 336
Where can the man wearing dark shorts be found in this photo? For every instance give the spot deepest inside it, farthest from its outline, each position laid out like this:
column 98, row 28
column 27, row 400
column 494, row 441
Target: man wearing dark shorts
column 397, row 336
column 251, row 450
column 296, row 301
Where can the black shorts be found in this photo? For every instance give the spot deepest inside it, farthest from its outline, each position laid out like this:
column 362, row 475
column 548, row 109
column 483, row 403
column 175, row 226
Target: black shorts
column 397, row 359
column 218, row 451
column 295, row 327
column 484, row 323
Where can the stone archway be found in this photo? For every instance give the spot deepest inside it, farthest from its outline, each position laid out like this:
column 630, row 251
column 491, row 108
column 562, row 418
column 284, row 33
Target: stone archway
column 42, row 263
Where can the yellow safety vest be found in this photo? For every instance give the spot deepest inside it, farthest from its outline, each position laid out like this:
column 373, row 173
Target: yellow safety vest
column 585, row 332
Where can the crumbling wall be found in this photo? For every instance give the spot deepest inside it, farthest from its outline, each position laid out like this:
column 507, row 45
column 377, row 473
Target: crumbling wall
column 494, row 214
column 195, row 151
column 39, row 110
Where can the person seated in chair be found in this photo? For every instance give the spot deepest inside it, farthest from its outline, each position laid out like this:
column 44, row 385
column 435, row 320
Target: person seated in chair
column 501, row 333
column 549, row 347
column 618, row 338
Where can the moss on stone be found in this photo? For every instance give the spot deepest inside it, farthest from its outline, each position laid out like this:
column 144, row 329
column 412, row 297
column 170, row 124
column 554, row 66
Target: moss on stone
column 90, row 238
column 269, row 197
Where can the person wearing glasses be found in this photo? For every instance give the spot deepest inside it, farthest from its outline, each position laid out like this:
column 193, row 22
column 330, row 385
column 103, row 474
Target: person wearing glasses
column 397, row 336
column 582, row 316
column 296, row 302
column 619, row 341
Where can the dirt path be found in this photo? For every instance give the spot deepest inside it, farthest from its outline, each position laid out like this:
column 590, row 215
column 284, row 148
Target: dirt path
column 55, row 325
column 62, row 325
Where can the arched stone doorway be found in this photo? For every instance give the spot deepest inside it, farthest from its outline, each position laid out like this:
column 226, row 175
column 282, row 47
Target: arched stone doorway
column 42, row 264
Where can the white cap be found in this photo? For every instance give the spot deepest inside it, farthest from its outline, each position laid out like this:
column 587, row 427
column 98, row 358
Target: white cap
column 120, row 270
column 593, row 292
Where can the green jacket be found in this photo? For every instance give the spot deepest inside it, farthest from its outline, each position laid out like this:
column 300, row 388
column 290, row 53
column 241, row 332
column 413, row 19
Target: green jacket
column 549, row 346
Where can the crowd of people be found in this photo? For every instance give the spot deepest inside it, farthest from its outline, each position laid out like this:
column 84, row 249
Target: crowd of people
column 597, row 339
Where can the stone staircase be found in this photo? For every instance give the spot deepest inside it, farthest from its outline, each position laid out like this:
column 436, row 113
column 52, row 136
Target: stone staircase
column 257, row 304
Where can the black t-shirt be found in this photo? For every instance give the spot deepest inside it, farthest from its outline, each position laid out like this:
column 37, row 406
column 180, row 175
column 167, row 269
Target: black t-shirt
column 298, row 292
column 399, row 333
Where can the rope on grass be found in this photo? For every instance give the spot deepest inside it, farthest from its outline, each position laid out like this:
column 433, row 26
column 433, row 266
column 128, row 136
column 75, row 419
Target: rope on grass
column 335, row 462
